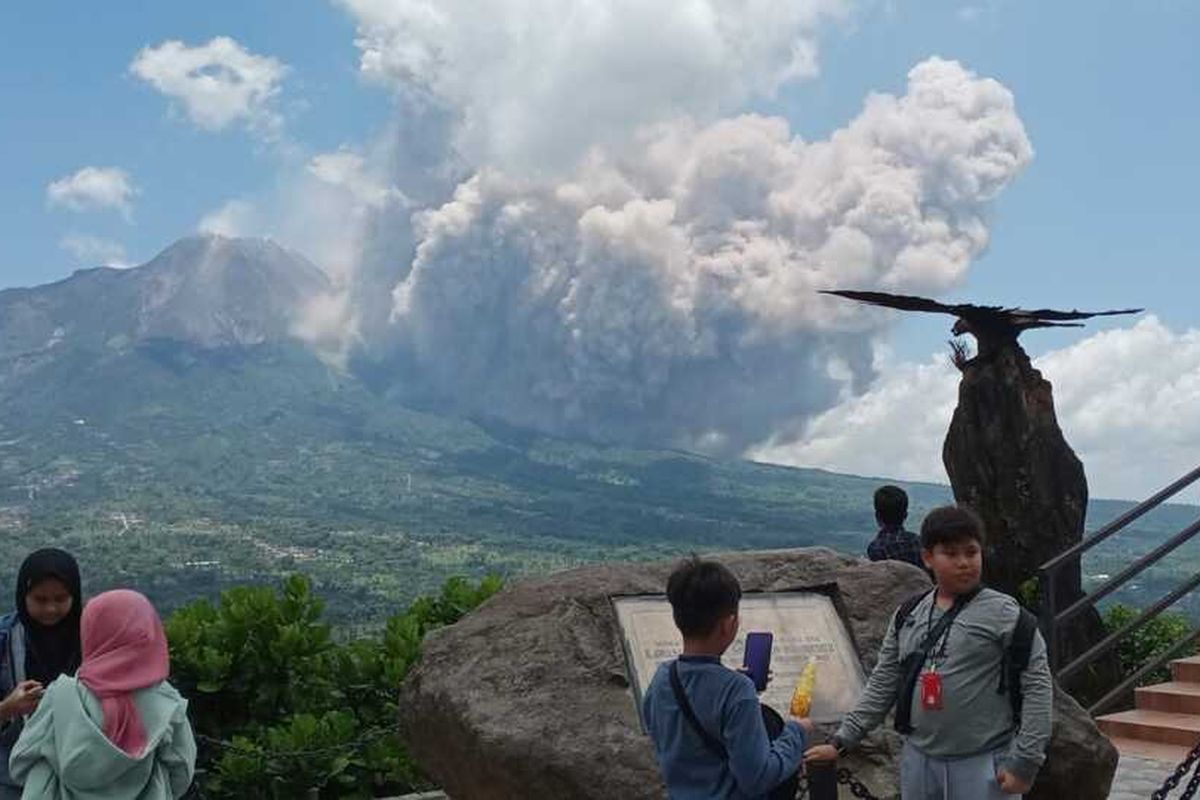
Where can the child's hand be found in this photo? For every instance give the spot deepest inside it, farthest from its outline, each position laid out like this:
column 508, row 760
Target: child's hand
column 821, row 753
column 746, row 671
column 1011, row 784
column 23, row 700
column 806, row 724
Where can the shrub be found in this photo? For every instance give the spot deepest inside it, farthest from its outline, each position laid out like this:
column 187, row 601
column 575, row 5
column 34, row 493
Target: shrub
column 282, row 709
column 1153, row 638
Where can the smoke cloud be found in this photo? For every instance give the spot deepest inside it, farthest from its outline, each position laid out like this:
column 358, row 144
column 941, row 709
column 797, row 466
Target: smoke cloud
column 667, row 291
column 535, row 83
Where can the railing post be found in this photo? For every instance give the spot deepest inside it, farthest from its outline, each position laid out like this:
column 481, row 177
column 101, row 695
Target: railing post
column 1048, row 593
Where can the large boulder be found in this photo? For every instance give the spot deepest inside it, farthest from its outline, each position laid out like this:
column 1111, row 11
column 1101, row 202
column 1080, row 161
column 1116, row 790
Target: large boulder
column 1081, row 761
column 528, row 696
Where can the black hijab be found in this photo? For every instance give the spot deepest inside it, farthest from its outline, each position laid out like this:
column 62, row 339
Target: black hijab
column 50, row 650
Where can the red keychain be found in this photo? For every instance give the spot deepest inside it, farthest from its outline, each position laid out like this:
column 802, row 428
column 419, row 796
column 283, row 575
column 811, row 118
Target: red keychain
column 931, row 691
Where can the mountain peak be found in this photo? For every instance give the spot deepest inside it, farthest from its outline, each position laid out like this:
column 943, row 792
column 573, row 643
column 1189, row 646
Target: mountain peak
column 214, row 253
column 206, row 290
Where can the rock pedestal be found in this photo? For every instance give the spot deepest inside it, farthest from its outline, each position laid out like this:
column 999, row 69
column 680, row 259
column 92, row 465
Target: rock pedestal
column 1007, row 458
column 528, row 696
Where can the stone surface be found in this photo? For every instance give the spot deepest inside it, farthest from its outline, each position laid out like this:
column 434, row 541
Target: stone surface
column 528, row 696
column 1080, row 762
column 1139, row 778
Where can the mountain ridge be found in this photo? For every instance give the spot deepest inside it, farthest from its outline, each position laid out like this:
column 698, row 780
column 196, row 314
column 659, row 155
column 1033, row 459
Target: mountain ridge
column 185, row 457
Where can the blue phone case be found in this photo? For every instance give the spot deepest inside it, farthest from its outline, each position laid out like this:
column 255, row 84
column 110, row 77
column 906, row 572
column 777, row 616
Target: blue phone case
column 757, row 659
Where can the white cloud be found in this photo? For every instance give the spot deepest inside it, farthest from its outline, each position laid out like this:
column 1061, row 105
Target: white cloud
column 894, row 429
column 92, row 251
column 234, row 218
column 537, row 82
column 94, row 189
column 349, row 170
column 1128, row 401
column 670, row 293
column 218, row 84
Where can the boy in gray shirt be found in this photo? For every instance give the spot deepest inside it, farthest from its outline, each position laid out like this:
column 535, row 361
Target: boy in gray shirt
column 962, row 740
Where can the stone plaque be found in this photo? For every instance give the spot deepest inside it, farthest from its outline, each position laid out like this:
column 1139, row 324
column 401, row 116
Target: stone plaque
column 804, row 624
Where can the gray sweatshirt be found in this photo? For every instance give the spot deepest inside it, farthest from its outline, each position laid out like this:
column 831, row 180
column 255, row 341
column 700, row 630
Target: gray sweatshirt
column 975, row 718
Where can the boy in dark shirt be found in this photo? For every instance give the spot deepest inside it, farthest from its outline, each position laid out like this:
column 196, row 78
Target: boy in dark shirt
column 893, row 542
column 704, row 598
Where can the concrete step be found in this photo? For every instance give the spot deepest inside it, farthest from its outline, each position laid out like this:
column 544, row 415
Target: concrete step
column 1176, row 697
column 1155, row 751
column 1186, row 669
column 1152, row 726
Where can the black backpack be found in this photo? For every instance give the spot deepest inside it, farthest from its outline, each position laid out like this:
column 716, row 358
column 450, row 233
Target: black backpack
column 772, row 721
column 1016, row 658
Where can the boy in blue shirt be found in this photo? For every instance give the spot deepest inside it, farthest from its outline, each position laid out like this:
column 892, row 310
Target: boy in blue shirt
column 738, row 762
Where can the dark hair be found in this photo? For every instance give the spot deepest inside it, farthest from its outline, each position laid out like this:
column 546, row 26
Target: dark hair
column 891, row 504
column 701, row 593
column 50, row 651
column 950, row 525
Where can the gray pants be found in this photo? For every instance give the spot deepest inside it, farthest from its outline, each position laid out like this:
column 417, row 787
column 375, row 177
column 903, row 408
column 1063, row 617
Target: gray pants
column 923, row 777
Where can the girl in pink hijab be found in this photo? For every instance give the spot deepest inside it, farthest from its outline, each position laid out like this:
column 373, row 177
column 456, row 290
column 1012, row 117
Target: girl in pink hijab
column 117, row 729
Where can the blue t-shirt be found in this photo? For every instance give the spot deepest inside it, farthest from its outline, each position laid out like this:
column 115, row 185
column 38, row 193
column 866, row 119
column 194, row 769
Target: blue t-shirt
column 727, row 707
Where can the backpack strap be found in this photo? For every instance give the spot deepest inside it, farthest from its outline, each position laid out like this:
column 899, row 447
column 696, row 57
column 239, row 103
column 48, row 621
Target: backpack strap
column 710, row 741
column 1016, row 659
column 912, row 664
column 905, row 609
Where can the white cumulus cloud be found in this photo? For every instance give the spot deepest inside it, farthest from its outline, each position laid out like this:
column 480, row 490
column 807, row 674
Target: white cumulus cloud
column 218, row 84
column 670, row 292
column 537, row 82
column 1128, row 401
column 93, row 251
column 235, row 218
column 94, row 189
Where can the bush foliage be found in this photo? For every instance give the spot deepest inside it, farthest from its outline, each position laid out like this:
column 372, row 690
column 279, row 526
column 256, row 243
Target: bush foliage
column 1148, row 641
column 284, row 708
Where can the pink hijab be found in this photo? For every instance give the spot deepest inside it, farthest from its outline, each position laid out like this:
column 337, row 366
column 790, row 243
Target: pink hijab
column 124, row 649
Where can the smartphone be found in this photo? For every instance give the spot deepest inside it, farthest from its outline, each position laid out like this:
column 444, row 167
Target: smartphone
column 757, row 659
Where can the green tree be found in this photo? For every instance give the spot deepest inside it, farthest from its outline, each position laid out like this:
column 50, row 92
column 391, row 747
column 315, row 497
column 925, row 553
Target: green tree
column 281, row 708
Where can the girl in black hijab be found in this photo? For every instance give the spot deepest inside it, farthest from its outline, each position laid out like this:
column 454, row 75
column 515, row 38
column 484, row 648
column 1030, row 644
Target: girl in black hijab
column 38, row 642
column 49, row 603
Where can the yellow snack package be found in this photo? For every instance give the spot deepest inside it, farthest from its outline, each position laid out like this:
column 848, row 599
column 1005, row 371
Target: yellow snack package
column 802, row 697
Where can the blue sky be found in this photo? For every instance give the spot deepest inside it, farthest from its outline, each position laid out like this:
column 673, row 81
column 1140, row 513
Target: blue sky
column 1103, row 216
column 1109, row 93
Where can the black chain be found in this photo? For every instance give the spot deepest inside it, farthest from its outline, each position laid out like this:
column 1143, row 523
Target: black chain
column 1173, row 780
column 856, row 787
column 1190, row 790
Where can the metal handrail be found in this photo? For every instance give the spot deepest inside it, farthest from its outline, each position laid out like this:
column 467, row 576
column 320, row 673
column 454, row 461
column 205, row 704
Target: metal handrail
column 1151, row 665
column 1051, row 618
column 1141, row 509
column 1114, row 638
column 1124, row 576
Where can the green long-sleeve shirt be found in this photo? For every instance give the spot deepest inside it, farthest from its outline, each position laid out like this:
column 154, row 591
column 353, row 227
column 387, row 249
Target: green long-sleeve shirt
column 976, row 717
